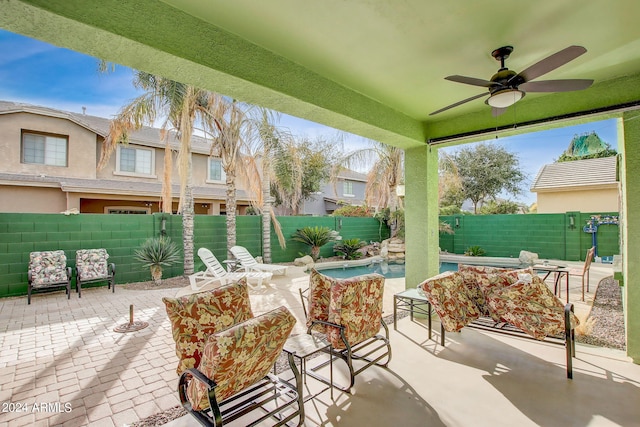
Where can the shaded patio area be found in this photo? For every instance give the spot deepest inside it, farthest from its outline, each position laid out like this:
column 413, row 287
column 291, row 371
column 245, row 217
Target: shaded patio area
column 59, row 350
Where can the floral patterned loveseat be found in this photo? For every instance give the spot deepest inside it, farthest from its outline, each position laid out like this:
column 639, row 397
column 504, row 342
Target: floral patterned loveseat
column 501, row 300
column 225, row 355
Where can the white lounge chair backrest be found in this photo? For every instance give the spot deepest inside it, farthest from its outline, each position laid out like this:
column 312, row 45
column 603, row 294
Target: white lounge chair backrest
column 211, row 262
column 244, row 256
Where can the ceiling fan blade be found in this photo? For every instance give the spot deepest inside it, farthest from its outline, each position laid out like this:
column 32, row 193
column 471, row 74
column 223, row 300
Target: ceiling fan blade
column 550, row 63
column 471, row 81
column 458, row 103
column 556, row 85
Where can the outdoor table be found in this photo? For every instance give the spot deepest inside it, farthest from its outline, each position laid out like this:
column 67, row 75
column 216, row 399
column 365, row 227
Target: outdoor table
column 414, row 302
column 559, row 271
column 303, row 346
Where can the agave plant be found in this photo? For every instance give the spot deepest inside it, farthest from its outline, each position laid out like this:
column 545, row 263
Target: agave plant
column 315, row 237
column 155, row 253
column 348, row 248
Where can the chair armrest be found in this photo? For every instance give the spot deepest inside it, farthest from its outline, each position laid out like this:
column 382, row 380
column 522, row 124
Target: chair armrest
column 112, row 269
column 325, row 323
column 69, row 273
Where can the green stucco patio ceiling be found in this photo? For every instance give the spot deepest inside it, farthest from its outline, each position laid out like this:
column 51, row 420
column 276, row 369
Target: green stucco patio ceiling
column 374, row 68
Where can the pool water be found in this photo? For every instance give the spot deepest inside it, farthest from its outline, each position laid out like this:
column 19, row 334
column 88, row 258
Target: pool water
column 388, row 270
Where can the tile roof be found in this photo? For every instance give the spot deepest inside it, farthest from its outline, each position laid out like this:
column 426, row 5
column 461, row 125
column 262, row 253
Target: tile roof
column 576, row 174
column 112, row 186
column 147, row 135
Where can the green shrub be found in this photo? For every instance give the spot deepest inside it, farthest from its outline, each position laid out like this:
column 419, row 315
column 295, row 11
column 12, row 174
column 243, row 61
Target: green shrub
column 155, row 253
column 474, row 251
column 315, row 237
column 352, row 211
column 349, row 248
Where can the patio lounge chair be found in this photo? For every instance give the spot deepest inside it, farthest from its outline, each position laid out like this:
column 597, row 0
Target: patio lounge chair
column 226, row 355
column 92, row 266
column 215, row 272
column 349, row 313
column 584, row 271
column 249, row 263
column 48, row 269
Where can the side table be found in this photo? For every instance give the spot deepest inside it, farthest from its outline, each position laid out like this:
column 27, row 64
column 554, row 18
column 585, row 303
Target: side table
column 303, row 346
column 414, row 302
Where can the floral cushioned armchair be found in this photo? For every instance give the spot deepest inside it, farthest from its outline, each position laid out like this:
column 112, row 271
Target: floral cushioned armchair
column 508, row 297
column 349, row 313
column 225, row 355
column 92, row 266
column 48, row 269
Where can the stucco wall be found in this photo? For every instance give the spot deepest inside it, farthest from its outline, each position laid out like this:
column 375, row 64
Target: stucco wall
column 20, row 199
column 597, row 200
column 81, row 149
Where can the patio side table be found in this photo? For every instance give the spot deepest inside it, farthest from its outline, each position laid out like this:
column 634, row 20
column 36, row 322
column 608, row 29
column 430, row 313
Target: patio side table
column 303, row 346
column 414, row 302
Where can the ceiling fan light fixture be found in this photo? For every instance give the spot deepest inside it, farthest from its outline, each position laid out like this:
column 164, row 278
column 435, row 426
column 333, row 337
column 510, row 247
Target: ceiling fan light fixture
column 505, row 98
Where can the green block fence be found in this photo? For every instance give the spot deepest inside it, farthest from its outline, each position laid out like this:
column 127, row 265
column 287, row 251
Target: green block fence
column 549, row 235
column 121, row 235
column 552, row 236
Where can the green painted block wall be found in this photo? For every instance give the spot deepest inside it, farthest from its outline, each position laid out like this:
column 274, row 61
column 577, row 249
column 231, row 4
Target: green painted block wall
column 549, row 235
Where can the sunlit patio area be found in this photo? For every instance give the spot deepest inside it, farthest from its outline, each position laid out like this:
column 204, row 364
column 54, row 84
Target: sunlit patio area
column 65, row 351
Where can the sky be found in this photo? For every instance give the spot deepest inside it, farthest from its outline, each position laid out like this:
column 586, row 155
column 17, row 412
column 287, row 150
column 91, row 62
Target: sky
column 38, row 73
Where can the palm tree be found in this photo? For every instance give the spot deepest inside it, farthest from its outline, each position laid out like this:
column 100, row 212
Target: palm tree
column 385, row 174
column 180, row 105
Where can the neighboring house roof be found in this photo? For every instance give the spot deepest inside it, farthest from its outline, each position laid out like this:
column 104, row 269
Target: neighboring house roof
column 111, row 186
column 576, row 174
column 350, row 175
column 147, row 136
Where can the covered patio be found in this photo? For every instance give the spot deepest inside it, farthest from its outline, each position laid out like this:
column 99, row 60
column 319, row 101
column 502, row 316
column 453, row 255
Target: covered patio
column 59, row 350
column 375, row 69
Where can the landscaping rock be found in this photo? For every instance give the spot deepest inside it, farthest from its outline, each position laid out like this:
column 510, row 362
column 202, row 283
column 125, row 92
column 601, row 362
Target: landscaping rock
column 305, row 261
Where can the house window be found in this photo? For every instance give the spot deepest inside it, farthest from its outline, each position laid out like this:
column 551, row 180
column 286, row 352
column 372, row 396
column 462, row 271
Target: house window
column 347, row 188
column 43, row 149
column 216, row 173
column 135, row 161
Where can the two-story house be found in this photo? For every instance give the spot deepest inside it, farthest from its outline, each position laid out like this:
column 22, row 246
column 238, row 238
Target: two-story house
column 50, row 157
column 348, row 190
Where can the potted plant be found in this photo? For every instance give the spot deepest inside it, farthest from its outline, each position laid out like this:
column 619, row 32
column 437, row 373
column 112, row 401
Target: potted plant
column 315, row 237
column 155, row 253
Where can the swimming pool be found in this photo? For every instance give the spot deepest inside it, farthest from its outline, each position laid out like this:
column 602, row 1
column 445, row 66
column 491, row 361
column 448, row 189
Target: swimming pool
column 387, row 269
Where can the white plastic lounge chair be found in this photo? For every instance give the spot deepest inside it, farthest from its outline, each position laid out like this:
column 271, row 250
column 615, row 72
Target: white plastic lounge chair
column 249, row 263
column 215, row 272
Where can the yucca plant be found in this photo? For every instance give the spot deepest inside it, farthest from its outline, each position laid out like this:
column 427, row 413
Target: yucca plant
column 474, row 251
column 155, row 253
column 348, row 248
column 315, row 237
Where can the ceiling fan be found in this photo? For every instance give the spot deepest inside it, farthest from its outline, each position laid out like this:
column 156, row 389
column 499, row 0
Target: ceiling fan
column 506, row 87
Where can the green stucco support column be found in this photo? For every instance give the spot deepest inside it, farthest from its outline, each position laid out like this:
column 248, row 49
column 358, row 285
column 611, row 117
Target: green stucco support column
column 421, row 214
column 631, row 230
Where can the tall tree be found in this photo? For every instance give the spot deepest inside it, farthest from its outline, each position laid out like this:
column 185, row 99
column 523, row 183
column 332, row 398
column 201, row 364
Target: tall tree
column 299, row 168
column 386, row 172
column 486, row 170
column 179, row 106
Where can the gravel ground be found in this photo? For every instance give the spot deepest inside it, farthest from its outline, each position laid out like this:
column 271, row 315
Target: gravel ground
column 608, row 331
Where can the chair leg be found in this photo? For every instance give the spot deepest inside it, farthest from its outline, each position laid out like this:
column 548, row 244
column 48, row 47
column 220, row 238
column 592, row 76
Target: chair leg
column 69, row 290
column 79, row 288
column 29, row 294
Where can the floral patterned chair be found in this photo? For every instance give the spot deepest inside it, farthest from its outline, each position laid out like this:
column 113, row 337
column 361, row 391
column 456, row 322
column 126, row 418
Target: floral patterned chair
column 226, row 355
column 349, row 313
column 92, row 266
column 48, row 269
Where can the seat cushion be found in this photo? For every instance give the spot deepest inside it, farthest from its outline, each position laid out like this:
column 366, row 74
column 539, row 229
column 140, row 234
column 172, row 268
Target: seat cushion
column 449, row 297
column 91, row 264
column 356, row 304
column 531, row 307
column 195, row 317
column 319, row 291
column 240, row 356
column 48, row 268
